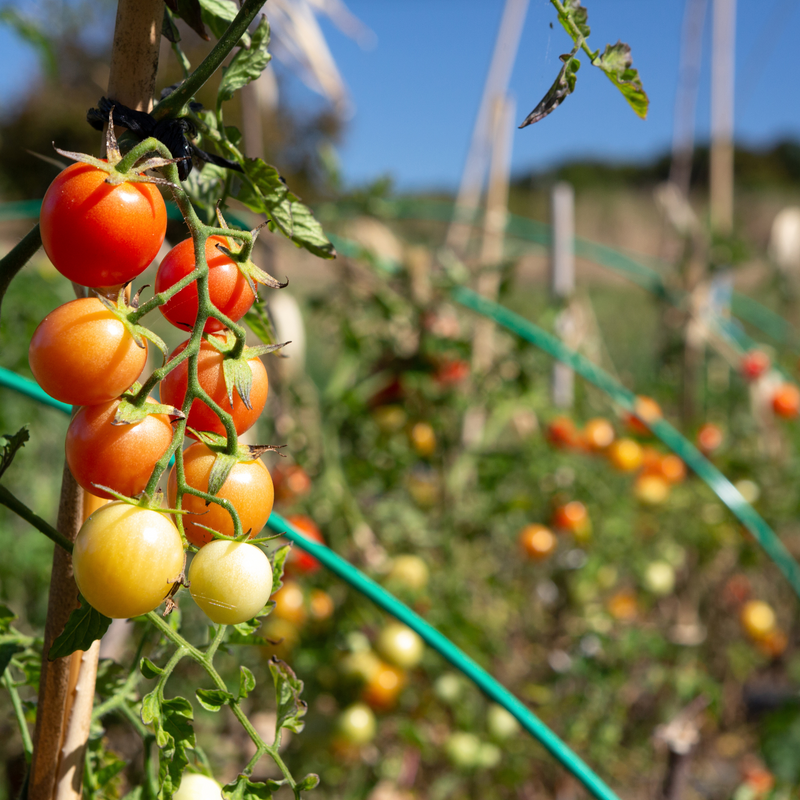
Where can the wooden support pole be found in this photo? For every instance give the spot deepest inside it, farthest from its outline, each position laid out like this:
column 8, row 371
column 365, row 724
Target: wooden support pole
column 562, row 285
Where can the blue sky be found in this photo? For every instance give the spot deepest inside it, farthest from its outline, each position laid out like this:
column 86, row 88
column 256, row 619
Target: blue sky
column 417, row 91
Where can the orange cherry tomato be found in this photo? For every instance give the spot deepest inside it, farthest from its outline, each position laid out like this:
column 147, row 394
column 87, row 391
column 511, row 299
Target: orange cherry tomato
column 786, row 401
column 299, row 562
column 537, row 542
column 625, row 455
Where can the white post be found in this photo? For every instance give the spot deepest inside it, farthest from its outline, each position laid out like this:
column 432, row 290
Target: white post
column 562, row 284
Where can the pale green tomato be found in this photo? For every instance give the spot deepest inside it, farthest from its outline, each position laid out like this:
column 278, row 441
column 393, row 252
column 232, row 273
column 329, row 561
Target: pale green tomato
column 400, row 646
column 198, row 787
column 489, row 755
column 408, row 572
column 463, row 749
column 659, row 577
column 230, row 581
column 502, row 724
column 356, row 724
column 126, row 559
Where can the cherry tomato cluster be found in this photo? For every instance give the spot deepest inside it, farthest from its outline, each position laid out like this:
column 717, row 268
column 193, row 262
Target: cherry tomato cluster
column 101, row 228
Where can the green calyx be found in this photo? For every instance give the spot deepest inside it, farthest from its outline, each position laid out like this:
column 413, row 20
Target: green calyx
column 124, row 311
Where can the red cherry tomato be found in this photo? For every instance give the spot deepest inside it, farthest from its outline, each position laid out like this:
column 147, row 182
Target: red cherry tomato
column 248, row 487
column 212, row 380
column 121, row 457
column 227, row 287
column 97, row 234
column 81, row 354
column 299, row 562
column 754, row 364
column 786, row 401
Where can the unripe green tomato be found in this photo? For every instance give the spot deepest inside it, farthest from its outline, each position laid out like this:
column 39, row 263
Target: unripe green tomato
column 463, row 749
column 400, row 646
column 356, row 724
column 126, row 559
column 409, row 572
column 230, row 581
column 659, row 577
column 489, row 755
column 198, row 787
column 448, row 687
column 501, row 724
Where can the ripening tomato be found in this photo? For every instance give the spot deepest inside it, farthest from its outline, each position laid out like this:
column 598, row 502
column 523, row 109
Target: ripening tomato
column 625, row 454
column 356, row 724
column 383, row 687
column 754, row 364
column 212, row 380
column 653, row 490
column 198, row 787
column 646, row 410
column 248, row 487
column 786, row 401
column 598, row 433
column 623, row 605
column 82, row 354
column 290, row 604
column 121, row 457
column 423, row 439
column 561, row 432
column 537, row 542
column 228, row 289
column 126, row 559
column 400, row 646
column 573, row 517
column 408, row 572
column 230, row 581
column 672, row 468
column 97, row 234
column 291, row 482
column 709, row 438
column 299, row 562
column 758, row 619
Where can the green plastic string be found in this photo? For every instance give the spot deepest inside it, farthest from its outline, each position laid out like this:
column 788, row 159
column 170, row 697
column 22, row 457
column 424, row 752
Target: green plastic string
column 30, row 388
column 460, row 660
column 696, row 461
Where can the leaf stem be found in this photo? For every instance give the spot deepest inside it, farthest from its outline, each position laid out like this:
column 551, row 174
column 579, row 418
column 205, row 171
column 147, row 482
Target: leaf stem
column 21, row 510
column 18, row 257
column 19, row 713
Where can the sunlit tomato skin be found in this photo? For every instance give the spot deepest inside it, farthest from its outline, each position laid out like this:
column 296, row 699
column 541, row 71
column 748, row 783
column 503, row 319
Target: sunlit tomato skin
column 228, row 289
column 383, row 687
column 298, row 561
column 126, row 559
column 82, row 354
column 97, row 234
column 400, row 646
column 248, row 487
column 786, row 401
column 121, row 457
column 198, row 787
column 537, row 542
column 646, row 411
column 598, row 434
column 625, row 454
column 230, row 581
column 212, row 380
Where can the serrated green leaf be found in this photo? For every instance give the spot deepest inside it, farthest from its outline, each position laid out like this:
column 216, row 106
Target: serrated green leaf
column 220, row 469
column 278, row 561
column 213, row 699
column 311, row 781
column 266, row 193
column 218, row 14
column 288, row 687
column 149, row 669
column 169, row 30
column 11, row 444
column 205, row 186
column 247, row 682
column 575, row 13
column 563, row 86
column 246, row 628
column 244, row 789
column 151, row 708
column 7, row 652
column 246, row 65
column 84, row 626
column 617, row 63
column 238, row 376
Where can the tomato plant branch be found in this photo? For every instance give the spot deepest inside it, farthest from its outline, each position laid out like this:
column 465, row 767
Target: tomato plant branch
column 574, row 31
column 175, row 104
column 18, row 257
column 19, row 713
column 21, row 510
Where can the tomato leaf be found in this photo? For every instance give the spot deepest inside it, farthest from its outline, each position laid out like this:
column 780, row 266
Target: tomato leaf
column 290, row 708
column 563, row 86
column 576, row 14
column 174, row 735
column 218, row 15
column 266, row 193
column 247, row 682
column 260, row 322
column 617, row 64
column 311, row 781
column 11, row 444
column 246, row 65
column 149, row 669
column 239, row 376
column 278, row 561
column 244, row 789
column 220, row 469
column 7, row 652
column 7, row 616
column 84, row 626
column 151, row 707
column 213, row 699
